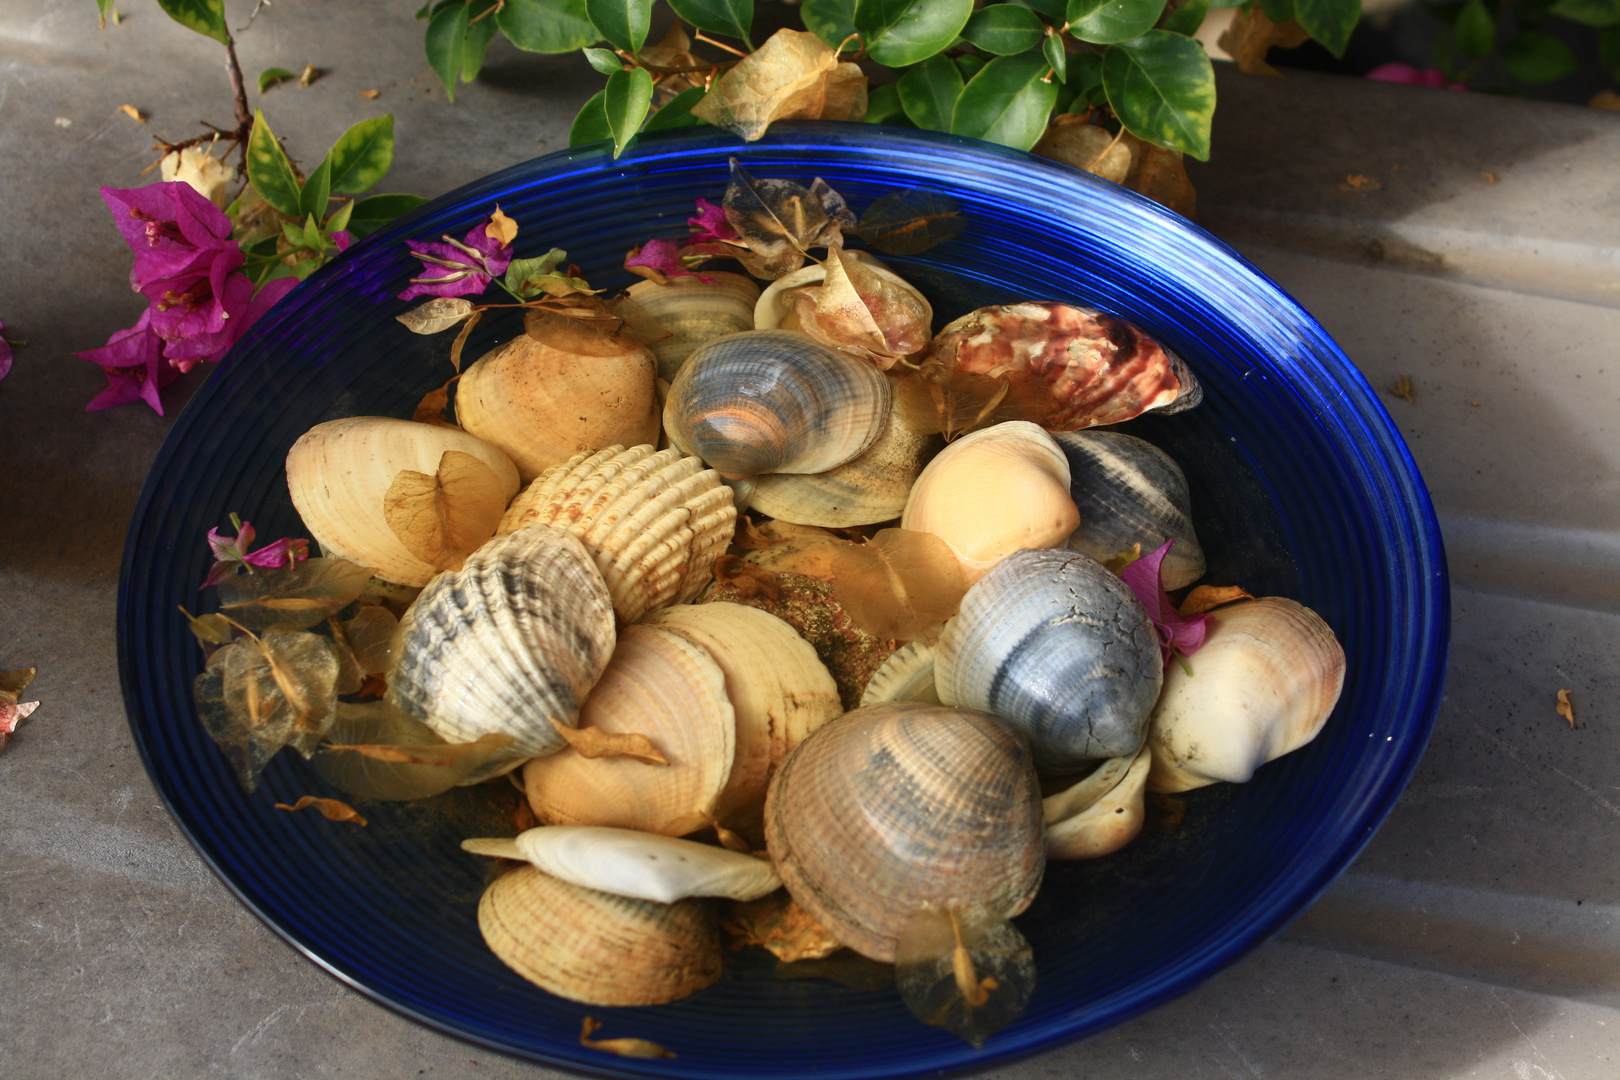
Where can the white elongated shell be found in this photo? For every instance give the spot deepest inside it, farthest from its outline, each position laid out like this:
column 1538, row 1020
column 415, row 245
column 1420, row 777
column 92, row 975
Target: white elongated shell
column 779, row 688
column 1129, row 492
column 1264, row 683
column 338, row 473
column 775, row 401
column 693, row 311
column 660, row 685
column 636, row 864
column 517, row 636
column 1100, row 814
column 907, row 675
column 598, row 948
column 871, row 488
column 655, row 521
column 1062, row 648
column 996, row 491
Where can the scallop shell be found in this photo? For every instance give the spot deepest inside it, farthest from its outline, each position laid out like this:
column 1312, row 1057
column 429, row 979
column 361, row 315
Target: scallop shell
column 338, row 473
column 775, row 401
column 598, row 948
column 693, row 311
column 905, row 806
column 1100, row 814
column 907, row 675
column 542, row 405
column 660, row 685
column 1001, row 489
column 654, row 521
column 871, row 488
column 1061, row 647
column 516, row 637
column 1263, row 684
column 1129, row 492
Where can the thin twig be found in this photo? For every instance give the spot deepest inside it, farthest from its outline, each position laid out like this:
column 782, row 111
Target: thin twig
column 1104, row 152
column 255, row 15
column 698, row 35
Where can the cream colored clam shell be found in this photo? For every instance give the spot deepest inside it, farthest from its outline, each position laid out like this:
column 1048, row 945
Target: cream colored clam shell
column 693, row 311
column 637, row 864
column 1263, row 684
column 1100, row 814
column 338, row 473
column 775, row 305
column 871, row 488
column 907, row 675
column 655, row 521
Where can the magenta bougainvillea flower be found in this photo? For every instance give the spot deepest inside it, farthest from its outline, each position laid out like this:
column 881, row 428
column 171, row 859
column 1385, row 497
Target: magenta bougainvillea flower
column 1177, row 634
column 1411, row 76
column 664, row 256
column 458, row 267
column 710, row 225
column 5, row 355
column 135, row 367
column 231, row 552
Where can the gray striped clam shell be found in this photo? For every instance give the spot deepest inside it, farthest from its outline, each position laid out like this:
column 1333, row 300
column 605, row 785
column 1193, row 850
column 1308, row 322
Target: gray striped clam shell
column 767, row 401
column 517, row 636
column 1129, row 491
column 1052, row 641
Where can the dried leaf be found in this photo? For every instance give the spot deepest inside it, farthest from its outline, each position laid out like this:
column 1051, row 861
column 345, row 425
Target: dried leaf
column 938, row 397
column 440, row 313
column 970, row 972
column 672, row 53
column 379, row 751
column 1566, row 707
column 12, row 711
column 371, row 95
column 583, row 325
column 13, row 683
column 777, row 923
column 631, row 1048
column 595, row 743
column 311, row 73
column 350, row 678
column 371, row 635
column 1209, row 597
column 501, row 229
column 261, row 693
column 461, row 339
column 331, row 809
column 749, row 580
column 1404, row 388
column 784, row 79
column 1252, row 35
column 910, row 221
column 133, row 113
column 844, row 966
column 211, row 629
column 778, row 221
column 292, row 598
column 435, row 404
column 444, row 518
column 1359, row 182
column 835, row 314
column 1161, row 175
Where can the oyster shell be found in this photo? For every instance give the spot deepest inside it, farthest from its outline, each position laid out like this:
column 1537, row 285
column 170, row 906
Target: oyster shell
column 693, row 311
column 1129, row 491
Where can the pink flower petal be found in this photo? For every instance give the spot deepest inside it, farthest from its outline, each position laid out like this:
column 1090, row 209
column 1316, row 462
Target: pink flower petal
column 710, row 224
column 1176, row 633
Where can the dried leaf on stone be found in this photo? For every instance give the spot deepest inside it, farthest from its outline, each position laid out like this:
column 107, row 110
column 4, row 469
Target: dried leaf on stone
column 777, row 923
column 330, row 809
column 1209, row 597
column 1251, row 36
column 261, row 693
column 778, row 221
column 593, row 742
column 292, row 598
column 970, row 972
column 938, row 397
column 443, row 518
column 910, row 221
column 1566, row 707
column 435, row 405
column 378, row 751
column 784, row 79
column 440, row 313
column 12, row 711
column 856, row 310
column 630, row 1048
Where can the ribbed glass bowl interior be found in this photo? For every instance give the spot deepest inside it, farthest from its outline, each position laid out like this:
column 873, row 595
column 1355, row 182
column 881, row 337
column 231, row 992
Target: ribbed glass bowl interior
column 1301, row 487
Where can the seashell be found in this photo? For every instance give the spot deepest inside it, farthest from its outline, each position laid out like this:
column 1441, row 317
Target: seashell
column 999, row 490
column 598, row 948
column 660, row 685
column 774, row 310
column 868, row 489
column 515, row 638
column 1062, row 648
column 654, row 521
column 1100, row 814
column 544, row 403
column 1129, row 491
column 901, row 807
column 775, row 401
column 1268, row 675
column 338, row 473
column 898, row 318
column 780, row 690
column 907, row 675
column 1068, row 367
column 636, row 864
column 694, row 311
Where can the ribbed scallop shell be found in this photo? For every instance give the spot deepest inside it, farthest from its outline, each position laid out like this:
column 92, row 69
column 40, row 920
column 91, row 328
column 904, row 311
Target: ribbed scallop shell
column 338, row 473
column 1001, row 489
column 1061, row 647
column 1129, row 492
column 907, row 675
column 1265, row 681
column 693, row 311
column 661, row 685
column 898, row 807
column 655, row 521
column 1100, row 814
column 598, row 948
column 775, row 401
column 515, row 637
column 871, row 488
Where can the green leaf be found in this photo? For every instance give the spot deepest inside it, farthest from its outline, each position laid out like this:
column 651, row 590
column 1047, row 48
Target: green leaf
column 313, row 198
column 547, row 26
column 677, row 112
column 446, row 42
column 522, row 271
column 1056, row 10
column 1533, row 56
column 270, row 76
column 1056, row 55
column 339, row 220
column 1085, row 71
column 105, row 6
column 898, row 33
column 1476, row 30
column 830, row 20
column 480, row 31
column 928, row 93
column 605, row 61
column 362, row 156
column 269, row 171
column 1278, row 11
column 1609, row 50
column 1004, row 29
column 883, row 106
column 207, row 17
column 733, row 18
column 591, row 124
column 623, row 22
column 1162, row 88
column 1595, row 13
column 312, row 233
column 970, row 64
column 1112, row 20
column 1187, row 18
column 625, row 102
column 1329, row 21
column 372, row 213
column 1007, row 102
column 292, row 233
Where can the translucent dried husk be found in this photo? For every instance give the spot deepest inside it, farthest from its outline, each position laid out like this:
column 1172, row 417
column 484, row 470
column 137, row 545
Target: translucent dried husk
column 693, row 311
column 897, row 317
column 1100, row 814
column 1128, row 491
column 867, row 490
column 1087, row 147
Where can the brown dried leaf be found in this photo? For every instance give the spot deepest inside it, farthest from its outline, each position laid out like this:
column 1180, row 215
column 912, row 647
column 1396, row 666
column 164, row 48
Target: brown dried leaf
column 331, row 809
column 844, row 966
column 371, row 95
column 1359, row 182
column 938, row 965
column 1404, row 388
column 586, row 326
column 778, row 221
column 835, row 313
column 749, row 580
column 1161, row 175
column 379, row 751
column 595, row 743
column 777, row 923
column 261, row 693
column 1566, row 707
column 209, row 630
column 371, row 635
column 292, row 598
column 784, row 79
column 461, row 339
column 911, row 221
column 672, row 53
column 939, row 397
column 1252, row 35
column 1209, row 597
column 502, row 229
column 434, row 405
column 311, row 73
column 350, row 677
column 133, row 113
column 631, row 1048
column 444, row 518
column 440, row 313
column 846, row 96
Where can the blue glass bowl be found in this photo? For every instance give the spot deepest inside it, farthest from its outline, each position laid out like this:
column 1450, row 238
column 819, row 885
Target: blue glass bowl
column 1301, row 487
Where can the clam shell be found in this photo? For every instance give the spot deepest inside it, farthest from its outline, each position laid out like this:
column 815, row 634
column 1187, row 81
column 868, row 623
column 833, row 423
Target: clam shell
column 1061, row 647
column 775, row 401
column 1265, row 681
column 693, row 311
column 516, row 637
column 660, row 685
column 1100, row 814
column 655, row 521
column 871, row 488
column 1129, row 491
column 774, row 311
column 338, row 473
column 904, row 806
column 915, row 315
column 542, row 405
column 998, row 490
column 598, row 948
column 907, row 675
